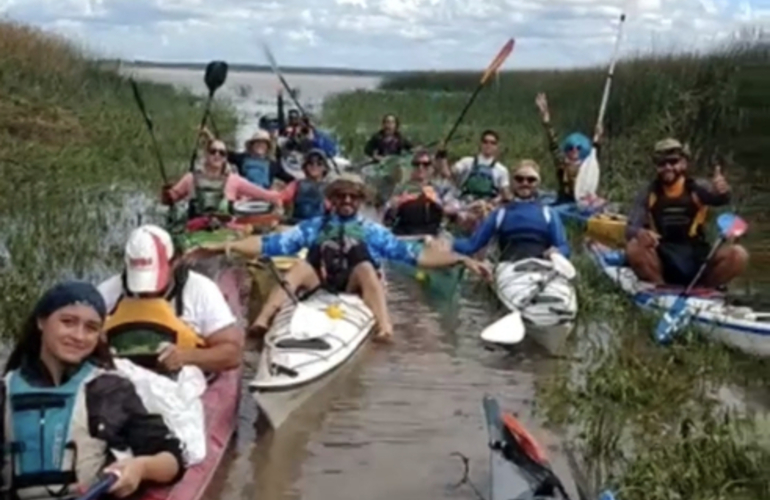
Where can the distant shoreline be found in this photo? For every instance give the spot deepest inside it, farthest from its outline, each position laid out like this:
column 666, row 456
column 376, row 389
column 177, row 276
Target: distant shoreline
column 254, row 68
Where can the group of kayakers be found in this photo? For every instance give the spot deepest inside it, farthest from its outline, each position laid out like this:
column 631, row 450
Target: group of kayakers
column 68, row 413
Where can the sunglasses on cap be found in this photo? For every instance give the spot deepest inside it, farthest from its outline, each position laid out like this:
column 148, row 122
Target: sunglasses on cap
column 525, row 179
column 218, row 152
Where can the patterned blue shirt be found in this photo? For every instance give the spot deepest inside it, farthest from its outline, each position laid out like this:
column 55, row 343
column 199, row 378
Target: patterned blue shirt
column 382, row 244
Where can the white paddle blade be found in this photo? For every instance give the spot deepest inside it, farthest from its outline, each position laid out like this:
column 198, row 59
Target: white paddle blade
column 563, row 266
column 508, row 330
column 307, row 322
column 587, row 180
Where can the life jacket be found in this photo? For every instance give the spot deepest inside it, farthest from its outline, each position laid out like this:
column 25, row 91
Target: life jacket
column 136, row 327
column 257, row 171
column 308, row 199
column 480, row 182
column 679, row 218
column 50, row 449
column 528, row 234
column 417, row 210
column 335, row 243
column 208, row 196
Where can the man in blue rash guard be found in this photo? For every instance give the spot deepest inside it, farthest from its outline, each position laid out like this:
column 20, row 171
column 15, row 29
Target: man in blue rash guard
column 524, row 228
column 345, row 254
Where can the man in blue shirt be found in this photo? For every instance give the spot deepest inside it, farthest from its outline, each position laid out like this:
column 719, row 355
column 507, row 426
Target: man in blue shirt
column 524, row 228
column 345, row 254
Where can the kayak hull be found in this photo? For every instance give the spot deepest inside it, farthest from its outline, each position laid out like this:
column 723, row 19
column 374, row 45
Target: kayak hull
column 220, row 404
column 304, row 346
column 441, row 283
column 550, row 315
column 737, row 326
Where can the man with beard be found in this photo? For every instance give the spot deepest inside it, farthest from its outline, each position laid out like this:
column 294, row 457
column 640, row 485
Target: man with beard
column 666, row 239
column 345, row 254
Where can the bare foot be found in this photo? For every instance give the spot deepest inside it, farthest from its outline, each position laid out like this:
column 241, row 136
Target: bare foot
column 384, row 336
column 257, row 331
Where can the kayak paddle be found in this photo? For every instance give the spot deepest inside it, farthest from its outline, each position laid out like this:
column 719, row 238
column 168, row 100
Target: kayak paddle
column 587, row 180
column 150, row 128
column 730, row 226
column 101, row 487
column 292, row 95
column 509, row 329
column 214, row 77
column 495, row 65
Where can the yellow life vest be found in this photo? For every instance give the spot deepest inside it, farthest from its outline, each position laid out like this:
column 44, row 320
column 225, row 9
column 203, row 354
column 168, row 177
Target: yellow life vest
column 139, row 325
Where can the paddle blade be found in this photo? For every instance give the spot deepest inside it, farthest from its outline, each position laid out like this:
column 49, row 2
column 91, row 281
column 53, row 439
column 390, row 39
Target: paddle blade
column 498, row 61
column 587, row 180
column 563, row 266
column 508, row 330
column 731, row 226
column 524, row 440
column 138, row 98
column 215, row 75
column 672, row 321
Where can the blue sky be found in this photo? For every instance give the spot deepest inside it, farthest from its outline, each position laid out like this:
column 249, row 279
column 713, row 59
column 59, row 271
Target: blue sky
column 388, row 34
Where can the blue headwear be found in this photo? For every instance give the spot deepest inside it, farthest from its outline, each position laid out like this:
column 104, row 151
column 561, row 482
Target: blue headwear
column 579, row 141
column 69, row 293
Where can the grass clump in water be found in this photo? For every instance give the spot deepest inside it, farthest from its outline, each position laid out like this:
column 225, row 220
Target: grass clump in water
column 653, row 422
column 75, row 160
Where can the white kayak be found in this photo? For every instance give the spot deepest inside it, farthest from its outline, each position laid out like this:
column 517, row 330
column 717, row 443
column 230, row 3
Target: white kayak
column 550, row 302
column 306, row 343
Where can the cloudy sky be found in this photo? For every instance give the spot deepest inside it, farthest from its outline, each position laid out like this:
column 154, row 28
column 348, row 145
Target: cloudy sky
column 388, row 34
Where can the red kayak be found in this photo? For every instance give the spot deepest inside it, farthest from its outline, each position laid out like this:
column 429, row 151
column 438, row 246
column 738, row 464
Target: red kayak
column 220, row 403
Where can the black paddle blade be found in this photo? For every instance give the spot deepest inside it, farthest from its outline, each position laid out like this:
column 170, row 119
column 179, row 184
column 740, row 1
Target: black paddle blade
column 140, row 102
column 216, row 74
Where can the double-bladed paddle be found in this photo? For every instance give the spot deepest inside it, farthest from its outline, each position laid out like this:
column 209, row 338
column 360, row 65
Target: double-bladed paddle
column 214, row 77
column 730, row 226
column 510, row 329
column 150, row 127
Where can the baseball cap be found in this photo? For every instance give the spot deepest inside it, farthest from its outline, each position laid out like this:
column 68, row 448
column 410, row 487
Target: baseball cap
column 149, row 250
column 670, row 147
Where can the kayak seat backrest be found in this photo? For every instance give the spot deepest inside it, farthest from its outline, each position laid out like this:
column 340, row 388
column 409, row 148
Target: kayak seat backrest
column 614, row 258
column 316, row 343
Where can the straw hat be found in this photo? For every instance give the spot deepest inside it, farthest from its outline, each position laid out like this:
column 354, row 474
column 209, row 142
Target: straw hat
column 259, row 135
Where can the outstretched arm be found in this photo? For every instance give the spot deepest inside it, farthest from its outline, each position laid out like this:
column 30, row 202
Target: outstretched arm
column 481, row 237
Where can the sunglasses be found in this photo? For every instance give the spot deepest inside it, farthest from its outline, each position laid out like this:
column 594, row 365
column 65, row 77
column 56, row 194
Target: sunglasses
column 217, row 152
column 667, row 161
column 572, row 147
column 346, row 196
column 423, row 164
column 525, row 179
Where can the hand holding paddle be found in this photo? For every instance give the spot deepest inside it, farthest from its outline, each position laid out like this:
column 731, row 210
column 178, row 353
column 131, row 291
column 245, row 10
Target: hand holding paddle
column 730, row 227
column 509, row 329
column 102, row 486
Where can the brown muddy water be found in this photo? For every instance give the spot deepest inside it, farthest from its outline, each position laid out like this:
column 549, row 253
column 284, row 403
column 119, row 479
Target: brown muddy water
column 386, row 424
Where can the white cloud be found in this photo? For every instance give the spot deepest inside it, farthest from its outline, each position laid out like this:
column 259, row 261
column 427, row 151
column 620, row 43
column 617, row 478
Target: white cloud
column 388, row 34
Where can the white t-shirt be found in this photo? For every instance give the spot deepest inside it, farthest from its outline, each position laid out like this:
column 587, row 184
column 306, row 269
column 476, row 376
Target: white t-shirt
column 500, row 174
column 205, row 308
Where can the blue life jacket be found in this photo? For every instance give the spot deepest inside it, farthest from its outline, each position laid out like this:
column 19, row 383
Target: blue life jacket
column 45, row 424
column 308, row 200
column 523, row 230
column 257, row 171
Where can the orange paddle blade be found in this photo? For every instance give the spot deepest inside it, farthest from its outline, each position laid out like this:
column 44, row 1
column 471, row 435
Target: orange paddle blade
column 498, row 61
column 531, row 447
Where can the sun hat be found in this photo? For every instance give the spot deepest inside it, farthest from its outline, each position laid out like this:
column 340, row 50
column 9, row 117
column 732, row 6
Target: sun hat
column 259, row 135
column 346, row 180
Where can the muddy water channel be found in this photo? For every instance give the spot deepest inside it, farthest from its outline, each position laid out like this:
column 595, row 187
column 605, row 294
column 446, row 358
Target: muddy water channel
column 387, row 423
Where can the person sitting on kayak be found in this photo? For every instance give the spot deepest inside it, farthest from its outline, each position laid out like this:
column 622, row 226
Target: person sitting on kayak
column 345, row 253
column 567, row 155
column 214, row 188
column 255, row 164
column 666, row 240
column 524, row 228
column 157, row 299
column 388, row 141
column 418, row 206
column 71, row 416
column 307, row 195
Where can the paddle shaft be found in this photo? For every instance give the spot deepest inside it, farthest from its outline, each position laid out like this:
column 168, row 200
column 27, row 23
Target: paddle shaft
column 468, row 105
column 281, row 281
column 150, row 128
column 205, row 116
column 703, row 267
column 611, row 72
column 100, row 488
column 277, row 71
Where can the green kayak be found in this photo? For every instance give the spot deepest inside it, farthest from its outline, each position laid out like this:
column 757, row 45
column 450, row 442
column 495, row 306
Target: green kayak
column 439, row 283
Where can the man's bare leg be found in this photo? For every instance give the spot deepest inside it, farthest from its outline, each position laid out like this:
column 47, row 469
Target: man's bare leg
column 729, row 262
column 645, row 262
column 301, row 275
column 364, row 279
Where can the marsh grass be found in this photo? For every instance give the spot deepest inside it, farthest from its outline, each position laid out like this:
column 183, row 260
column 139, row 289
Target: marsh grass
column 653, row 422
column 76, row 166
